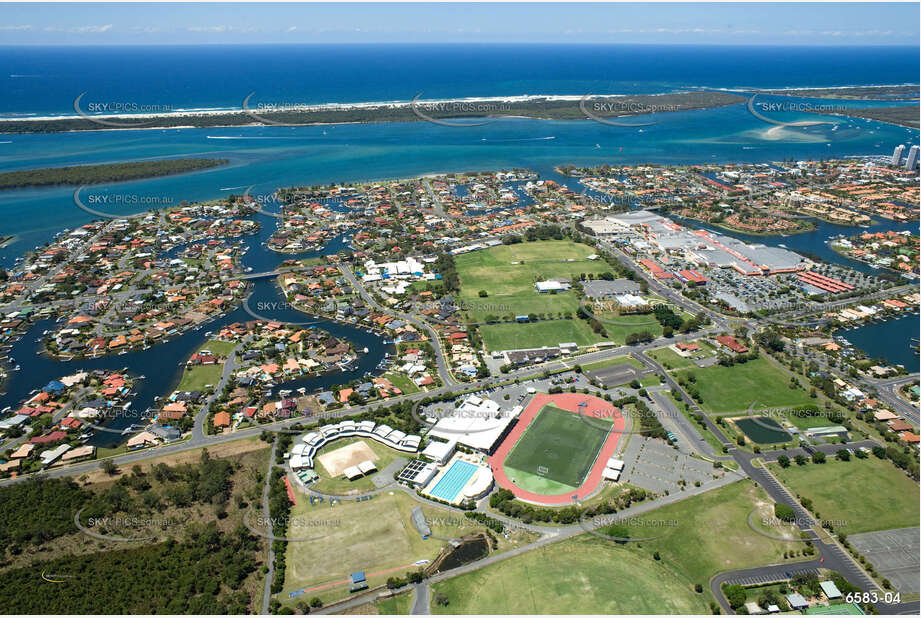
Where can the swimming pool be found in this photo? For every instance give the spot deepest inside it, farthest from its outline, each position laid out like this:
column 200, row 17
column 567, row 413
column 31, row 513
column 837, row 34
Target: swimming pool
column 453, row 481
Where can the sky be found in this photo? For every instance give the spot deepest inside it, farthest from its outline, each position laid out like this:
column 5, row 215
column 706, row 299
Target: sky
column 624, row 23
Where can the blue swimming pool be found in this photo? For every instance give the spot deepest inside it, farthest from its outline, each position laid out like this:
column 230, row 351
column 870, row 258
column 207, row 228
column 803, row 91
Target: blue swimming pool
column 453, row 481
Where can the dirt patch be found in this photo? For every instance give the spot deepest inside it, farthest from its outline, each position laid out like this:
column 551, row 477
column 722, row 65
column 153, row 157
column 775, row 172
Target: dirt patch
column 191, row 456
column 353, row 454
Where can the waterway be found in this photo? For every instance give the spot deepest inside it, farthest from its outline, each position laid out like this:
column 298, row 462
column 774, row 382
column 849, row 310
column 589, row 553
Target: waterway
column 162, row 364
column 889, row 340
column 270, row 157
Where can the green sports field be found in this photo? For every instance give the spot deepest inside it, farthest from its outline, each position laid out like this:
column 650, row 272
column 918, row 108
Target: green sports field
column 507, row 274
column 555, row 453
column 852, row 493
column 756, row 384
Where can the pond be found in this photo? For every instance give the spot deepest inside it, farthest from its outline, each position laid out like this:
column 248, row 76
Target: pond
column 762, row 430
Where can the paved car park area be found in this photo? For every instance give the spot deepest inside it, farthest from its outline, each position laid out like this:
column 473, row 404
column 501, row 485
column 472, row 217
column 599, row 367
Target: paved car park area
column 654, row 465
column 894, row 553
column 617, row 374
column 771, row 577
column 517, row 393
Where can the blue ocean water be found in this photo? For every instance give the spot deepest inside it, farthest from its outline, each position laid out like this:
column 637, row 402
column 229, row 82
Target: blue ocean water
column 46, row 80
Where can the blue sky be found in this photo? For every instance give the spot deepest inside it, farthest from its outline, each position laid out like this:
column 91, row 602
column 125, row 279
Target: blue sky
column 230, row 23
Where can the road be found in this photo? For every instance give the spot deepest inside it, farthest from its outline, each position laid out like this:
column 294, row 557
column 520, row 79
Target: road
column 888, row 391
column 422, row 600
column 443, row 371
column 230, row 365
column 270, row 559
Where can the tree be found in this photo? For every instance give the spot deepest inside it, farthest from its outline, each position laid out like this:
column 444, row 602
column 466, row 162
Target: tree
column 735, row 594
column 784, row 512
column 843, row 455
column 483, row 293
column 784, row 461
column 109, row 467
column 316, row 602
column 800, row 460
column 818, row 457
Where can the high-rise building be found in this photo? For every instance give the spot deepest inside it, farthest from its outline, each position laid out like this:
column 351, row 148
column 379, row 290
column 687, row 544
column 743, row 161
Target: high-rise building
column 897, row 154
column 912, row 161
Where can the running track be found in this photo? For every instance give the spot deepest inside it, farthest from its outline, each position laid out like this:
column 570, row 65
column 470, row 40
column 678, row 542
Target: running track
column 569, row 402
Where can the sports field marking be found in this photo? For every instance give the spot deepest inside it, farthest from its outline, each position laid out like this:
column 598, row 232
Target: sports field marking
column 557, row 445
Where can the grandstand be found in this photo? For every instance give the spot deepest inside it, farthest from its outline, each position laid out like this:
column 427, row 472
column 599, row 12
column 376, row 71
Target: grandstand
column 303, row 454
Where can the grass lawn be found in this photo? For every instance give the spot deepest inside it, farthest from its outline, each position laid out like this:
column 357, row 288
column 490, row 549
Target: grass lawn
column 734, row 389
column 629, row 324
column 221, row 348
column 869, row 494
column 703, row 431
column 195, row 378
column 511, row 285
column 712, row 533
column 670, row 359
column 584, row 575
column 620, row 360
column 558, row 446
column 402, row 382
column 619, row 326
column 341, row 485
column 376, row 536
column 651, row 380
column 514, row 336
column 399, row 605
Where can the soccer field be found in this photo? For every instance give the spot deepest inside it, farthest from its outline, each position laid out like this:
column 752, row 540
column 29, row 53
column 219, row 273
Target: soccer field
column 558, row 446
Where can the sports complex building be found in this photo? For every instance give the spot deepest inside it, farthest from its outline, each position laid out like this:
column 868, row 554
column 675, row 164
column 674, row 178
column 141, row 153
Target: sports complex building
column 556, row 450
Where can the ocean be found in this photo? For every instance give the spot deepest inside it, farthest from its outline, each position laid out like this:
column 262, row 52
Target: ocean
column 46, row 80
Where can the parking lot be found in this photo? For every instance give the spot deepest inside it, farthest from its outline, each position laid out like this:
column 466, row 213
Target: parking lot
column 617, row 374
column 894, row 553
column 656, row 466
column 517, row 394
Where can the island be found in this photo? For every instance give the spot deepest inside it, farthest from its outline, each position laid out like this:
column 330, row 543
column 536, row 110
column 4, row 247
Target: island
column 255, row 113
column 77, row 175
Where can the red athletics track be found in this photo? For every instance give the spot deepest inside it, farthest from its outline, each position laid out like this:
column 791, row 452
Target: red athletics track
column 569, row 402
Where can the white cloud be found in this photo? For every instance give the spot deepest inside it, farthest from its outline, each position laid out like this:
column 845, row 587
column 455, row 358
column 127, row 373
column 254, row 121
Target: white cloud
column 5, row 28
column 80, row 29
